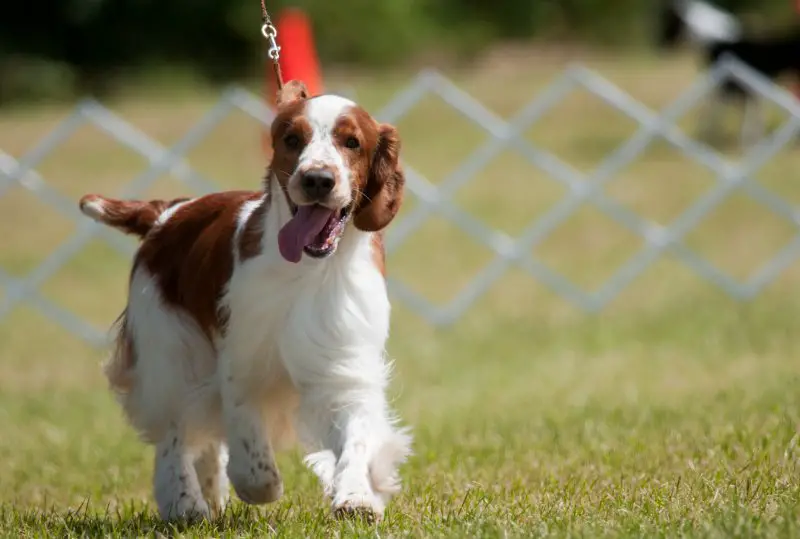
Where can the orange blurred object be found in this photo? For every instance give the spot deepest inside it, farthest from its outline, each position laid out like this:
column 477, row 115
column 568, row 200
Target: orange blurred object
column 299, row 53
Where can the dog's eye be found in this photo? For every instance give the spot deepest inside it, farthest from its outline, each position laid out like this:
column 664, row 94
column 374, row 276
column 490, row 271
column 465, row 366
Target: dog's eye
column 291, row 141
column 352, row 143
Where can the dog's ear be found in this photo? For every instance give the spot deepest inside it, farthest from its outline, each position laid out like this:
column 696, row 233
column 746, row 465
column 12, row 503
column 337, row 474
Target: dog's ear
column 383, row 193
column 293, row 90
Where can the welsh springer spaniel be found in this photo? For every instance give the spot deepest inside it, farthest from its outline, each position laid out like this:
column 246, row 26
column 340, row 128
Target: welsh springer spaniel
column 256, row 315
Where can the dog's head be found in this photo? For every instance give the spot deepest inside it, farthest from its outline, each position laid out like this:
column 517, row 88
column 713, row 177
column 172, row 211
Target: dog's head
column 338, row 167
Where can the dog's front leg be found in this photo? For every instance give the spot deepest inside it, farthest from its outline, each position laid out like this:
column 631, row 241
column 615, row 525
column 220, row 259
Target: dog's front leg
column 251, row 465
column 358, row 468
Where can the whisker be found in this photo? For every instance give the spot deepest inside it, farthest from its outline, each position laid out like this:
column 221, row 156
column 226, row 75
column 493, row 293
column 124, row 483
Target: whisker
column 363, row 194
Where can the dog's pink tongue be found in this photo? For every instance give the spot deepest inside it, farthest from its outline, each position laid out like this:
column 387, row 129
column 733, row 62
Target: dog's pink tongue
column 301, row 230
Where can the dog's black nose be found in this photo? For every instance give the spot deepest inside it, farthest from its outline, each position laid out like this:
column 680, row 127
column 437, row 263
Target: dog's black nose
column 317, row 184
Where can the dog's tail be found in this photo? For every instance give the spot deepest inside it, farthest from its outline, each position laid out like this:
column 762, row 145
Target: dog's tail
column 135, row 217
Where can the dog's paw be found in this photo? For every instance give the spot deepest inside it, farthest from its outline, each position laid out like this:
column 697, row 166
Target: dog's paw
column 365, row 506
column 258, row 489
column 363, row 512
column 186, row 510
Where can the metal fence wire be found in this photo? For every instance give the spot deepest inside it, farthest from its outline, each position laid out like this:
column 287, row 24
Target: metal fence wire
column 436, row 200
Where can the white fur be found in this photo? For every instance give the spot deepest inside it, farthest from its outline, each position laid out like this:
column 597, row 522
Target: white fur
column 303, row 341
column 169, row 212
column 173, row 360
column 244, row 214
column 241, row 221
column 95, row 209
column 708, row 23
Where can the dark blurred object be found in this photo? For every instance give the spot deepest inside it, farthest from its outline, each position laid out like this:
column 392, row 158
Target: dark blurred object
column 53, row 48
column 696, row 21
column 716, row 34
column 94, row 40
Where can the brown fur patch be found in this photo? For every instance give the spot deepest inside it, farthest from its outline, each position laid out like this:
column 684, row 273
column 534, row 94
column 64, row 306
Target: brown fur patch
column 118, row 369
column 293, row 90
column 379, row 252
column 383, row 192
column 289, row 122
column 191, row 255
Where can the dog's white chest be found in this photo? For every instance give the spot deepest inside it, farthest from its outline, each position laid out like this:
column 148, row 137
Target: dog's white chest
column 333, row 320
column 312, row 316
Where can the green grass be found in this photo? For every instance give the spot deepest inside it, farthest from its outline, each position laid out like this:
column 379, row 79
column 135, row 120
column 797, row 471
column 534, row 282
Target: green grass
column 674, row 412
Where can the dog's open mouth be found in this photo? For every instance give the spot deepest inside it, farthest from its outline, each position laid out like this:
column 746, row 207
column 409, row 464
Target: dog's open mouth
column 313, row 229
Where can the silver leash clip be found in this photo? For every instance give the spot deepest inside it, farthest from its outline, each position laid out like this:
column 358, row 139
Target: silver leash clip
column 270, row 33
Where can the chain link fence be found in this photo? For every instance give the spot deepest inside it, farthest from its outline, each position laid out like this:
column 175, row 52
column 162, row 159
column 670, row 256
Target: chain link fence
column 437, row 200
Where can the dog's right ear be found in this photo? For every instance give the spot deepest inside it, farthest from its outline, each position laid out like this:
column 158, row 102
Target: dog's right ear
column 292, row 91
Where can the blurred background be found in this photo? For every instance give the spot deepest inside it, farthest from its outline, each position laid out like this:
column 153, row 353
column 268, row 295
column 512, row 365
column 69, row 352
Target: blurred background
column 64, row 49
column 592, row 349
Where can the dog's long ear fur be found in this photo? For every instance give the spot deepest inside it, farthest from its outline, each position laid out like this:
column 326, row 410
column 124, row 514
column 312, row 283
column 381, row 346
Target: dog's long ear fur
column 293, row 90
column 383, row 193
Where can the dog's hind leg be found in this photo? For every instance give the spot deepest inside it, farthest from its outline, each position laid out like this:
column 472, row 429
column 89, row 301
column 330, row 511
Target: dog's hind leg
column 175, row 485
column 213, row 479
column 251, row 466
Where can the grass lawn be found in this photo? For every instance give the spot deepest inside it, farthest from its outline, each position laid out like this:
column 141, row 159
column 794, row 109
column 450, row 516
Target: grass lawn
column 674, row 412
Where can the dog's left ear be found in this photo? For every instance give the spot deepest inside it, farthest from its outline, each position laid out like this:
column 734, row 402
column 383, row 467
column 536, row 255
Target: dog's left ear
column 383, row 193
column 292, row 91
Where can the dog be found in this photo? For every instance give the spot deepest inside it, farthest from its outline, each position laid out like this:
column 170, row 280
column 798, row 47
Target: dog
column 718, row 33
column 258, row 318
